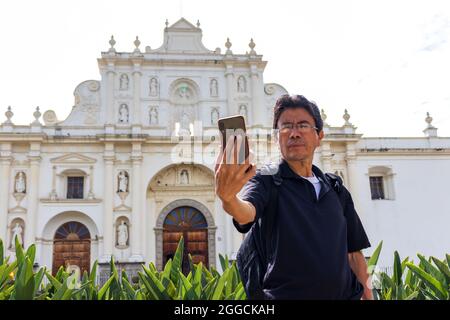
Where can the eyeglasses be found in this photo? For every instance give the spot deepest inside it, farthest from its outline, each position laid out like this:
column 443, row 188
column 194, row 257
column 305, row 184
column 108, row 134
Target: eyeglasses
column 302, row 127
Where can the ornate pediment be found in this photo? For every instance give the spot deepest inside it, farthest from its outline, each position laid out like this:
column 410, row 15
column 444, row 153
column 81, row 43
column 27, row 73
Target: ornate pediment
column 183, row 37
column 183, row 24
column 73, row 158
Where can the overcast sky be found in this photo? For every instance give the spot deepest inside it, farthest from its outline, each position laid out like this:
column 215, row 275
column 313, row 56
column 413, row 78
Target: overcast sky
column 387, row 62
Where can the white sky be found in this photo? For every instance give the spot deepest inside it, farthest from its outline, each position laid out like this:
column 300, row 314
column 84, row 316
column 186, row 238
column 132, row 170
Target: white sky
column 387, row 62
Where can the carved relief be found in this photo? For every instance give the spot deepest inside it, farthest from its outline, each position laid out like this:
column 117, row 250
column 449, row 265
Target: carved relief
column 153, row 87
column 241, row 84
column 122, row 233
column 123, row 82
column 123, row 113
column 213, row 88
column 87, row 100
column 153, row 116
column 16, row 230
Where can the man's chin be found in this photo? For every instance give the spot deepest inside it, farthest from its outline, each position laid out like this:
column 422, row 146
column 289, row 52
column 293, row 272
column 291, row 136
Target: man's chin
column 291, row 156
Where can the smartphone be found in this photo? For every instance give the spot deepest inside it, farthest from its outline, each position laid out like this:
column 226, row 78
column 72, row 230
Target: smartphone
column 234, row 125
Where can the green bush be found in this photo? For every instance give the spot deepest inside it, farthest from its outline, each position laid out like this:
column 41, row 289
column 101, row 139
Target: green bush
column 430, row 279
column 18, row 281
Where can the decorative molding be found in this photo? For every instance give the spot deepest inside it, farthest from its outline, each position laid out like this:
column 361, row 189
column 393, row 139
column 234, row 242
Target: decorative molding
column 71, row 201
column 122, row 208
column 73, row 158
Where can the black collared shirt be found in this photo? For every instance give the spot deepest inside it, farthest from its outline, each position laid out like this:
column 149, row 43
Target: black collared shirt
column 314, row 237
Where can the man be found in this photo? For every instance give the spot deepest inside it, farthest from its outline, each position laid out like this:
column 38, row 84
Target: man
column 317, row 253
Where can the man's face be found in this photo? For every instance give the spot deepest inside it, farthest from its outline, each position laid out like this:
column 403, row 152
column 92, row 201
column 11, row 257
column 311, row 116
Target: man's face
column 298, row 145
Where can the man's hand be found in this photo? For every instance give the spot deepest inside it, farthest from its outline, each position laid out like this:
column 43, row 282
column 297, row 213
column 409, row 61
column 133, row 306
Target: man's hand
column 359, row 266
column 230, row 177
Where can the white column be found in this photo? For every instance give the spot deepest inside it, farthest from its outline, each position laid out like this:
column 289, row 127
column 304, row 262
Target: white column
column 136, row 212
column 33, row 201
column 326, row 156
column 110, row 98
column 257, row 98
column 352, row 174
column 232, row 110
column 108, row 202
column 137, row 96
column 5, row 163
column 91, row 183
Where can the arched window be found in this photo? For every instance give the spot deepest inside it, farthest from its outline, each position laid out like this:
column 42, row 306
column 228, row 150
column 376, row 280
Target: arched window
column 185, row 218
column 72, row 231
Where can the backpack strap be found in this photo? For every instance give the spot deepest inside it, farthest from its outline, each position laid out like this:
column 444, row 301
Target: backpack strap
column 337, row 185
column 269, row 221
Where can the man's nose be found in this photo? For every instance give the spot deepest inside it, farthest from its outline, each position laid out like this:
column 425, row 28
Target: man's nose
column 295, row 133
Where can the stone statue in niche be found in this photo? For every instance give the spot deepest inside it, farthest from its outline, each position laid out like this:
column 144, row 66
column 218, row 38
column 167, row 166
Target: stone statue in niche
column 184, row 177
column 213, row 89
column 214, row 116
column 122, row 234
column 20, row 184
column 153, row 87
column 153, row 115
column 123, row 181
column 123, row 113
column 184, row 124
column 17, row 231
column 124, row 82
column 241, row 85
column 243, row 110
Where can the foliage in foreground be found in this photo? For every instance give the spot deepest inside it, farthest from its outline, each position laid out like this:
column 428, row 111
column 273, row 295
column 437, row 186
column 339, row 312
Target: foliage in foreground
column 18, row 281
column 429, row 280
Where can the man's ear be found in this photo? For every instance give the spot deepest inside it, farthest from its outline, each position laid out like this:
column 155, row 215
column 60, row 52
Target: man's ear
column 321, row 135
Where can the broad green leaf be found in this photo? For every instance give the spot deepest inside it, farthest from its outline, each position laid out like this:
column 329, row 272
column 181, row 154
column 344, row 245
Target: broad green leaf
column 177, row 261
column 220, row 285
column 63, row 293
column 1, row 252
column 128, row 288
column 167, row 270
column 20, row 256
column 156, row 284
column 197, row 280
column 443, row 268
column 102, row 292
column 397, row 276
column 189, row 290
column 222, row 262
column 412, row 296
column 432, row 270
column 408, row 279
column 93, row 274
column 404, row 264
column 208, row 290
column 374, row 258
column 24, row 284
column 31, row 253
column 54, row 282
column 433, row 283
column 152, row 294
column 38, row 280
column 240, row 293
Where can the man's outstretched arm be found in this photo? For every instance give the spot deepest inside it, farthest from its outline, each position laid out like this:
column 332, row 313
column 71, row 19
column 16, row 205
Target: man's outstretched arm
column 359, row 267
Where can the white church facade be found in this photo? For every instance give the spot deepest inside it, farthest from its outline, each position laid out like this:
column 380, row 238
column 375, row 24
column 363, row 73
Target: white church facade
column 130, row 170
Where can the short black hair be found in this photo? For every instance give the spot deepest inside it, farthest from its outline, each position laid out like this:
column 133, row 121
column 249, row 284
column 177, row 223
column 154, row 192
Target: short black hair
column 287, row 101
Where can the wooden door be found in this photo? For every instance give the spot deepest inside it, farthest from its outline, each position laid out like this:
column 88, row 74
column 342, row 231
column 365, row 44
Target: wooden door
column 190, row 224
column 71, row 252
column 72, row 246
